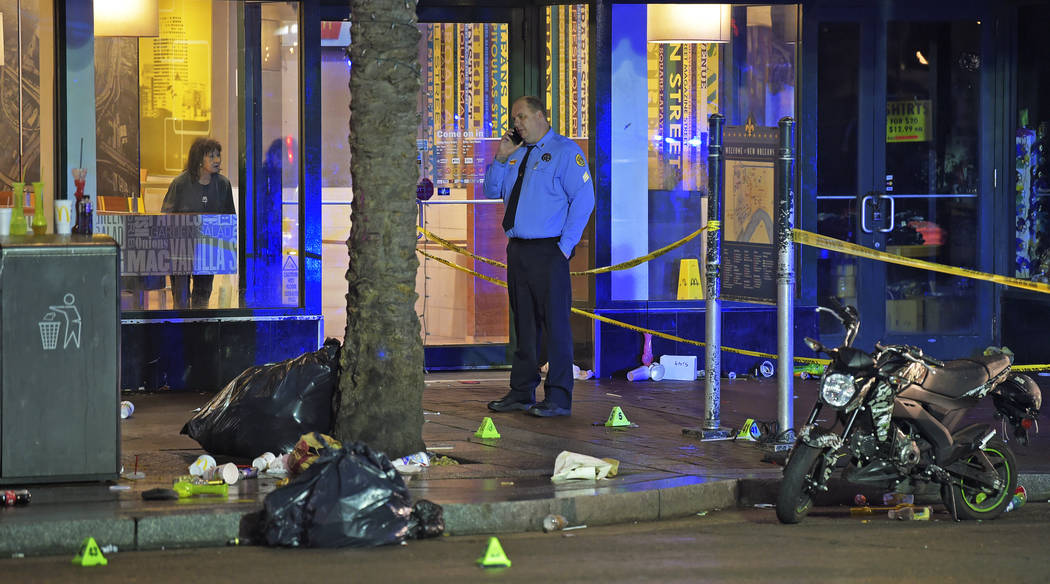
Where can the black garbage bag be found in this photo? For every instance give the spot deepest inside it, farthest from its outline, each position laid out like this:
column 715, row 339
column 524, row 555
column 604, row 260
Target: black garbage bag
column 349, row 497
column 428, row 520
column 268, row 407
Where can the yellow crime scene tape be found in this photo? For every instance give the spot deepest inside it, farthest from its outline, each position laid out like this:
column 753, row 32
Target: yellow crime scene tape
column 800, row 236
column 830, row 243
column 621, row 266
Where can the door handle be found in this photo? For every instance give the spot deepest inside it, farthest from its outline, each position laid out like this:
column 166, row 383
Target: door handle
column 893, row 213
column 864, row 214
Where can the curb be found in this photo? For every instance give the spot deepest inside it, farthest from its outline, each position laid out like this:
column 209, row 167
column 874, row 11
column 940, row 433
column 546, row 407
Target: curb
column 216, row 528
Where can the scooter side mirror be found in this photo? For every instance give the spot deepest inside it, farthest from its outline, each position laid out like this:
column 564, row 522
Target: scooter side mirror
column 815, row 345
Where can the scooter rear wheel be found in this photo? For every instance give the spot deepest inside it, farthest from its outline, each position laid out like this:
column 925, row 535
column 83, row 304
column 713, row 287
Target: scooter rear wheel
column 972, row 502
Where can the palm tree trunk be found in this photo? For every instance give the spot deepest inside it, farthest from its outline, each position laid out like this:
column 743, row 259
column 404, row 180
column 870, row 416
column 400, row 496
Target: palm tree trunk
column 381, row 384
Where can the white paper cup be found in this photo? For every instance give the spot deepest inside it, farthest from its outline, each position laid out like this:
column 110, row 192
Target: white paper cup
column 63, row 216
column 202, row 465
column 5, row 220
column 263, row 461
column 227, row 473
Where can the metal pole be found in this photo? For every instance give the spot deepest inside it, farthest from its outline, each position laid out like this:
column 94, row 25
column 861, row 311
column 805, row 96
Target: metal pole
column 785, row 222
column 713, row 362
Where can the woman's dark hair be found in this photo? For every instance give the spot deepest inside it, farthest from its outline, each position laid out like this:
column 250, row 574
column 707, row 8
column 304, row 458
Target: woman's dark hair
column 199, row 148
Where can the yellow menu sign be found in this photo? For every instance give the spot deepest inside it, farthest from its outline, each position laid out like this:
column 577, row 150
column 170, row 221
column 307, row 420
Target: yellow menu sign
column 906, row 121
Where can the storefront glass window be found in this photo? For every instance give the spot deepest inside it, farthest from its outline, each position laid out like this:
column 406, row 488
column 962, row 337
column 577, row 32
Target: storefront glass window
column 154, row 98
column 27, row 104
column 662, row 95
column 1031, row 225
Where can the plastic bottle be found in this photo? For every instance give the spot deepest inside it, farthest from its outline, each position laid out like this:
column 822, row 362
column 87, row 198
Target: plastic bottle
column 85, row 216
column 11, row 498
column 554, row 522
column 910, row 513
column 1019, row 499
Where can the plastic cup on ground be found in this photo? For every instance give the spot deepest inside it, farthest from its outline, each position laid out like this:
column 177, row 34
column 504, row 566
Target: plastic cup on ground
column 202, row 465
column 554, row 522
column 638, row 374
column 656, row 372
column 227, row 473
column 126, row 409
column 263, row 461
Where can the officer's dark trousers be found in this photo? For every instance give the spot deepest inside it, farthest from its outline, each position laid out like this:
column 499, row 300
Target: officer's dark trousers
column 540, row 299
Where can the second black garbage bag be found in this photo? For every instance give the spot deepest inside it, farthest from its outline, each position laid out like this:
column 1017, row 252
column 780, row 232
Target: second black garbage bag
column 348, row 497
column 268, row 407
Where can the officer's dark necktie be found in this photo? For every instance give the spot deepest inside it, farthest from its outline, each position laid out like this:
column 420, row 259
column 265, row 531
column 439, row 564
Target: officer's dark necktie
column 512, row 204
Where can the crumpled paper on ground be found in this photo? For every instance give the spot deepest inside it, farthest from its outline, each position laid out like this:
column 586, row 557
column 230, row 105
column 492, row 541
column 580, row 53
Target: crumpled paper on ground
column 577, row 372
column 573, row 465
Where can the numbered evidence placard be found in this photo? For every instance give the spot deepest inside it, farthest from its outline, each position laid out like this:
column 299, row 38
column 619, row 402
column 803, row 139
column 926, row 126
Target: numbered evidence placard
column 172, row 243
column 749, row 259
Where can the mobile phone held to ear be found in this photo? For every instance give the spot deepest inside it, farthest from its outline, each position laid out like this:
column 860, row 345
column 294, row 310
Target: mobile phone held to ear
column 515, row 137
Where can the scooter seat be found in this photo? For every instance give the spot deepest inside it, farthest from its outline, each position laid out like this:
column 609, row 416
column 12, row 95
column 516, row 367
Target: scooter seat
column 961, row 376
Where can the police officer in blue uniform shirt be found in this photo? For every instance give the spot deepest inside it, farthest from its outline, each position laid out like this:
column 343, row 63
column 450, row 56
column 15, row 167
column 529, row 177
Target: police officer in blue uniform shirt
column 544, row 182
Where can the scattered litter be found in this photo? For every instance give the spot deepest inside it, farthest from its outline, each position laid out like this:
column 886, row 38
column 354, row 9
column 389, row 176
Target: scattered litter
column 613, row 394
column 109, row 548
column 203, row 464
column 12, row 497
column 572, row 527
column 581, row 374
column 860, row 499
column 765, row 506
column 702, row 513
column 441, row 447
column 160, row 494
column 193, row 486
column 119, row 487
column 910, row 513
column 443, row 461
column 1019, row 499
column 656, row 372
column 126, row 409
column 262, row 462
column 894, row 499
column 572, row 465
column 412, row 463
column 506, row 483
column 426, row 413
column 554, row 522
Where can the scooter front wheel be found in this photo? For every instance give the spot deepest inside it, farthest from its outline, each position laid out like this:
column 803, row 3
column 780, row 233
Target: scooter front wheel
column 802, row 471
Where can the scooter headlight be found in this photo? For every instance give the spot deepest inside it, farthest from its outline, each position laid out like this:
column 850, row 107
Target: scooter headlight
column 836, row 389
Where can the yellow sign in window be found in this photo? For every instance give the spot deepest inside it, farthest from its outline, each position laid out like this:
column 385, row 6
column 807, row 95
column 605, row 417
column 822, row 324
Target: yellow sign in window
column 906, row 121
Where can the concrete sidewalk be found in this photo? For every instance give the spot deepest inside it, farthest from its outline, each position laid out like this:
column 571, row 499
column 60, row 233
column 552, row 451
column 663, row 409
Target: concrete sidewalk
column 500, row 485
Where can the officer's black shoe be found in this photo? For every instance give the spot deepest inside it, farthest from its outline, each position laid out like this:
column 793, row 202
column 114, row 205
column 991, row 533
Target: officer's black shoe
column 548, row 410
column 510, row 403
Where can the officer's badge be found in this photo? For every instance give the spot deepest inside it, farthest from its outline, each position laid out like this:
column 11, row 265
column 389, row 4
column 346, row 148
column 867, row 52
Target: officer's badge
column 547, row 157
column 580, row 161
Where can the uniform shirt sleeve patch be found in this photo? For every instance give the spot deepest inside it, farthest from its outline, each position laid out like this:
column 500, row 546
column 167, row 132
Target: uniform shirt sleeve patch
column 580, row 161
column 586, row 177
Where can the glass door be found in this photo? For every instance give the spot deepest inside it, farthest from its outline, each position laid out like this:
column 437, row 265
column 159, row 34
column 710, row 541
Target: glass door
column 902, row 168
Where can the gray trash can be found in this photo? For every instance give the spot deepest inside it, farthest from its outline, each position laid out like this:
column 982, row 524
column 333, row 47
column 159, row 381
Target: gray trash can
column 59, row 358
